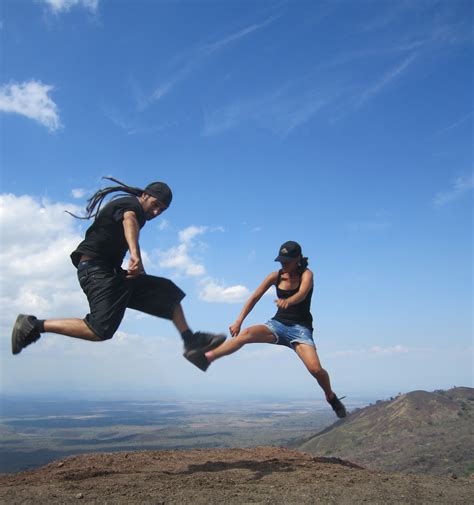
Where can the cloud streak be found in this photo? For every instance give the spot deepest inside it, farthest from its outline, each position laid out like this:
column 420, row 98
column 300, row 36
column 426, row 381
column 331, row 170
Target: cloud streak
column 280, row 112
column 195, row 58
column 375, row 351
column 385, row 80
column 58, row 6
column 460, row 187
column 31, row 99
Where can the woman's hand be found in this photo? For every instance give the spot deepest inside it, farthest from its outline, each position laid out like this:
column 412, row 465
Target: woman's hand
column 234, row 329
column 281, row 303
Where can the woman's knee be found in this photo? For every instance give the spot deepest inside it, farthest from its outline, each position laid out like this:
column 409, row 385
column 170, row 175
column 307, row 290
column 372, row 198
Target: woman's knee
column 245, row 336
column 317, row 370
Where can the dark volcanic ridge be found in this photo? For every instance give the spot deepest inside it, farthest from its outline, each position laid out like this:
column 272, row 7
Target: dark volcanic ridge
column 231, row 476
column 417, row 432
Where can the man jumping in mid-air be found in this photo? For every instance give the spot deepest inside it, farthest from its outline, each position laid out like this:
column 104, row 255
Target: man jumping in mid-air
column 109, row 288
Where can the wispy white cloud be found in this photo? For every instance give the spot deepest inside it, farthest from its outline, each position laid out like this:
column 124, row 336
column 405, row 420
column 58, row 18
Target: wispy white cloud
column 215, row 292
column 131, row 126
column 194, row 58
column 460, row 187
column 78, row 193
column 213, row 47
column 164, row 224
column 58, row 6
column 385, row 80
column 456, row 123
column 280, row 112
column 370, row 225
column 31, row 99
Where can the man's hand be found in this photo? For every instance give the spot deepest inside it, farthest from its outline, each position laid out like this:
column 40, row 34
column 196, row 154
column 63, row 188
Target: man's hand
column 281, row 303
column 135, row 266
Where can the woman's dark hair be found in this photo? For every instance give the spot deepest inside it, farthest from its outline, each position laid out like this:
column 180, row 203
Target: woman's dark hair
column 95, row 201
column 302, row 264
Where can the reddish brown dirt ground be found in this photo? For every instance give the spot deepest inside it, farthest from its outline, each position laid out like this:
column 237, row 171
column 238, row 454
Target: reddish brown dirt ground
column 230, row 476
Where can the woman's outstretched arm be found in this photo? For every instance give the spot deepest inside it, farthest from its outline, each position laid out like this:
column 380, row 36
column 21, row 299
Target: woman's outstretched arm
column 269, row 280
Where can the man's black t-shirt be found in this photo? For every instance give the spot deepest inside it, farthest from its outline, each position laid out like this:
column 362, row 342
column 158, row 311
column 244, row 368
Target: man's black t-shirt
column 105, row 238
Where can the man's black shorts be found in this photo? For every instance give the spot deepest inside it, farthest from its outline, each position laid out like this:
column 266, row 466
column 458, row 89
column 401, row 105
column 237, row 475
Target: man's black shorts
column 110, row 292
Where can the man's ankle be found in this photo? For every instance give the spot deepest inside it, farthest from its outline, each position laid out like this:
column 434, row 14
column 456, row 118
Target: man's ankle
column 187, row 336
column 39, row 325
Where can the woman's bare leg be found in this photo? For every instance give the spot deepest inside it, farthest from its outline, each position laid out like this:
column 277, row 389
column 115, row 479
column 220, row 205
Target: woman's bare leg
column 252, row 335
column 309, row 356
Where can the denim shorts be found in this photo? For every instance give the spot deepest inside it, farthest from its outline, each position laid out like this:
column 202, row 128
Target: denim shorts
column 288, row 335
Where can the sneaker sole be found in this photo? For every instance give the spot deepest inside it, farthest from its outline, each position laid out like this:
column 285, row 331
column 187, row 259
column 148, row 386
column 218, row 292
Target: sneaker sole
column 339, row 409
column 197, row 358
column 16, row 346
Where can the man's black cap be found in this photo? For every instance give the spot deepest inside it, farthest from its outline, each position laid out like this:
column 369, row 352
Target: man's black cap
column 161, row 192
column 289, row 251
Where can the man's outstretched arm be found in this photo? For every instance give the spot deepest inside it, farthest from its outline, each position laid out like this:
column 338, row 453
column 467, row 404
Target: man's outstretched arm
column 131, row 230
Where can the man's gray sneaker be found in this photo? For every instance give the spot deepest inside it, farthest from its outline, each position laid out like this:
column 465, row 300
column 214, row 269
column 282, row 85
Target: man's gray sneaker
column 204, row 342
column 197, row 358
column 24, row 333
column 337, row 406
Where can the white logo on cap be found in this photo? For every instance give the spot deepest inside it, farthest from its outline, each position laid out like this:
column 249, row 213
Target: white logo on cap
column 284, row 250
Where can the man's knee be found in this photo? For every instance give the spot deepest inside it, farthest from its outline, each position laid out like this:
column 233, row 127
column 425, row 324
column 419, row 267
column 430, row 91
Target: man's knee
column 99, row 330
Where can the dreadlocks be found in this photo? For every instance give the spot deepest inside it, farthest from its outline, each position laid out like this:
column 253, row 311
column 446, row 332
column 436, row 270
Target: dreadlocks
column 95, row 201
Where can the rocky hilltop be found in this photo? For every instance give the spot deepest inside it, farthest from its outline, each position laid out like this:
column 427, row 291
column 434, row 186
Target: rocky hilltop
column 230, row 476
column 416, row 432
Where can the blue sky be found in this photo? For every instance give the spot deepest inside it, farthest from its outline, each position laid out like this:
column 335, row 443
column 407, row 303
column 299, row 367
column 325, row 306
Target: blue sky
column 346, row 126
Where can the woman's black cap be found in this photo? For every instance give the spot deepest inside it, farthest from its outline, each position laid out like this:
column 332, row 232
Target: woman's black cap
column 289, row 251
column 161, row 192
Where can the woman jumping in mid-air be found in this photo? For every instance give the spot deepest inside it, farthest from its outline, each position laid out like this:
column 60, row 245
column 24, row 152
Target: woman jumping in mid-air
column 291, row 326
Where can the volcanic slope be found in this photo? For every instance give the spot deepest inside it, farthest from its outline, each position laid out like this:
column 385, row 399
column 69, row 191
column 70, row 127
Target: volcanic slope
column 416, row 432
column 231, row 476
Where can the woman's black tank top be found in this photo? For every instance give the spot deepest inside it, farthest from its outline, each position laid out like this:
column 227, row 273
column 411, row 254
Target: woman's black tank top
column 294, row 314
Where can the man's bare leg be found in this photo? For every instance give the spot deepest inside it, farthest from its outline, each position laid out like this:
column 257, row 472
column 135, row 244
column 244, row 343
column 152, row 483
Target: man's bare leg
column 75, row 327
column 178, row 319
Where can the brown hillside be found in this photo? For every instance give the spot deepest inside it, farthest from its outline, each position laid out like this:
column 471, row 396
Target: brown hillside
column 230, row 476
column 417, row 432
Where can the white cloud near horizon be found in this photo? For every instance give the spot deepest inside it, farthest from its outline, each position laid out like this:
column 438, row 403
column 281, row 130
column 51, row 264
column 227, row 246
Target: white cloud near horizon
column 374, row 351
column 58, row 6
column 460, row 186
column 31, row 99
